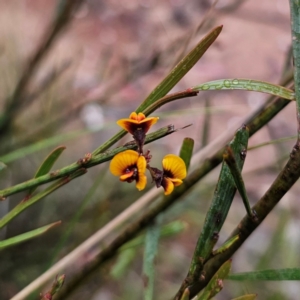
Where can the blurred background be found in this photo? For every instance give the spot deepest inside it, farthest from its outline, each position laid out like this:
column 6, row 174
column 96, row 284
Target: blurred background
column 98, row 70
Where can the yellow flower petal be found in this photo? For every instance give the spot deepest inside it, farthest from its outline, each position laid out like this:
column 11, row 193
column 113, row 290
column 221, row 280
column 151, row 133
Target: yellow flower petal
column 175, row 166
column 176, row 181
column 133, row 116
column 142, row 179
column 128, row 124
column 122, row 161
column 141, row 182
column 168, row 186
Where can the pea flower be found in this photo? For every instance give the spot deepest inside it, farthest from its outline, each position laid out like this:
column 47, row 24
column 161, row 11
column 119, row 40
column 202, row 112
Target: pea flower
column 174, row 170
column 138, row 125
column 130, row 166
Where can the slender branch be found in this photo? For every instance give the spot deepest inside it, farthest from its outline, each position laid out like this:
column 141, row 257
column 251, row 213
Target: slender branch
column 282, row 184
column 85, row 162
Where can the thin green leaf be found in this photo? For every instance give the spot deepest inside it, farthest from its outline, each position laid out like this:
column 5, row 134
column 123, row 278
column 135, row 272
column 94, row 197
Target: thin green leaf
column 47, row 164
column 237, row 177
column 186, row 151
column 247, row 85
column 215, row 285
column 277, row 141
column 49, row 161
column 226, row 245
column 219, row 208
column 280, row 274
column 123, row 262
column 180, row 69
column 27, row 236
column 151, row 246
column 246, row 297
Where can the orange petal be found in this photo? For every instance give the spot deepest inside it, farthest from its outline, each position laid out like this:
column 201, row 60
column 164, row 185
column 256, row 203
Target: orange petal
column 168, row 186
column 122, row 161
column 128, row 124
column 126, row 176
column 133, row 116
column 175, row 165
column 142, row 179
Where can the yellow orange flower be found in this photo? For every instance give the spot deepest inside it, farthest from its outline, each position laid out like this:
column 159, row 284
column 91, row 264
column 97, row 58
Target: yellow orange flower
column 138, row 125
column 137, row 122
column 130, row 166
column 174, row 170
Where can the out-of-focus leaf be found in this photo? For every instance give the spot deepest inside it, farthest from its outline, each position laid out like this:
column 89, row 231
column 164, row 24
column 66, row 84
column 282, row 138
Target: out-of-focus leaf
column 167, row 230
column 124, row 260
column 247, row 85
column 186, row 151
column 26, row 236
column 19, row 153
column 151, row 245
column 2, row 166
column 280, row 274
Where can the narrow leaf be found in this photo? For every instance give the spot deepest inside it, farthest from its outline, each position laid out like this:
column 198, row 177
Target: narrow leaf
column 219, row 208
column 123, row 262
column 237, row 177
column 247, row 85
column 226, row 245
column 181, row 69
column 280, row 274
column 49, row 161
column 47, row 164
column 27, row 236
column 186, row 151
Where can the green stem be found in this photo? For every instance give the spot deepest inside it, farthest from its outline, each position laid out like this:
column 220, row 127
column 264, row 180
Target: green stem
column 96, row 160
column 25, row 204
